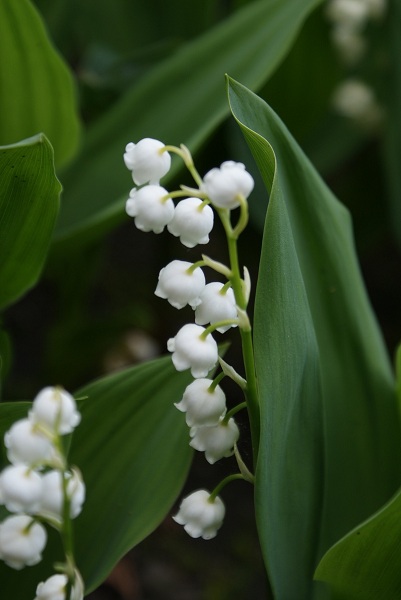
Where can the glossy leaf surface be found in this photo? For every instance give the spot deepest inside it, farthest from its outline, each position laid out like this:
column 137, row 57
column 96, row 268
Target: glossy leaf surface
column 36, row 87
column 349, row 464
column 29, row 203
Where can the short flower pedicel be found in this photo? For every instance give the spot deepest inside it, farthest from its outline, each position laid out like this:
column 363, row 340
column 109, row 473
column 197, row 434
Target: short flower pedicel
column 39, row 485
column 218, row 306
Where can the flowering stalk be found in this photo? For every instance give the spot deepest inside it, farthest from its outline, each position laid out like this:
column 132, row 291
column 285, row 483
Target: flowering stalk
column 218, row 306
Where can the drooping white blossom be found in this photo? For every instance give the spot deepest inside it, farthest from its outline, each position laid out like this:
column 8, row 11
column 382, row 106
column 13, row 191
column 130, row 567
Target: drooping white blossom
column 192, row 351
column 192, row 222
column 180, row 285
column 147, row 160
column 20, row 489
column 202, row 405
column 216, row 304
column 22, row 541
column 216, row 441
column 226, row 184
column 25, row 444
column 54, row 588
column 56, row 409
column 150, row 208
column 52, row 495
column 200, row 515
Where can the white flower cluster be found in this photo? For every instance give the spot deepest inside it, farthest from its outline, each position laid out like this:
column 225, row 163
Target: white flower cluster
column 349, row 18
column 183, row 283
column 34, row 486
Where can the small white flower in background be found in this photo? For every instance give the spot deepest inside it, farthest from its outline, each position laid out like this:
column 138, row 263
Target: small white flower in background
column 216, row 306
column 54, row 588
column 147, row 161
column 192, row 222
column 350, row 43
column 216, row 441
column 150, row 208
column 353, row 13
column 201, row 516
column 223, row 186
column 180, row 285
column 355, row 100
column 191, row 351
column 52, row 495
column 21, row 541
column 56, row 409
column 20, row 489
column 26, row 445
column 202, row 405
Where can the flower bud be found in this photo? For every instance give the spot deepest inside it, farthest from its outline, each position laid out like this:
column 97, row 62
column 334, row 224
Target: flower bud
column 200, row 515
column 54, row 588
column 216, row 306
column 216, row 441
column 22, row 541
column 26, row 445
column 191, row 351
column 202, row 405
column 151, row 209
column 147, row 161
column 225, row 185
column 52, row 500
column 192, row 222
column 20, row 489
column 55, row 409
column 180, row 285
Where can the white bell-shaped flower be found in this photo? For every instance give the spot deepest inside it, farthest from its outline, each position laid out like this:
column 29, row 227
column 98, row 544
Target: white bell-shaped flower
column 26, row 445
column 151, row 209
column 147, row 160
column 202, row 405
column 223, row 186
column 22, row 541
column 201, row 515
column 52, row 495
column 20, row 489
column 54, row 588
column 55, row 409
column 216, row 441
column 216, row 304
column 180, row 285
column 192, row 351
column 192, row 222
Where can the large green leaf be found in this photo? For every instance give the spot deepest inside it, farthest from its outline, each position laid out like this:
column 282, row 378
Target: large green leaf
column 365, row 564
column 359, row 459
column 132, row 448
column 29, row 202
column 36, row 88
column 180, row 101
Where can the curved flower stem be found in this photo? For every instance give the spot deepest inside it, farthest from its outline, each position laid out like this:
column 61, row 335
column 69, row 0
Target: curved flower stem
column 222, row 484
column 233, row 411
column 186, row 156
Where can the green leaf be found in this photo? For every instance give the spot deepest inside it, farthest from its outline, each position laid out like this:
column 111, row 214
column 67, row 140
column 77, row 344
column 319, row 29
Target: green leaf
column 132, row 449
column 365, row 564
column 29, row 202
column 37, row 92
column 336, row 473
column 181, row 101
